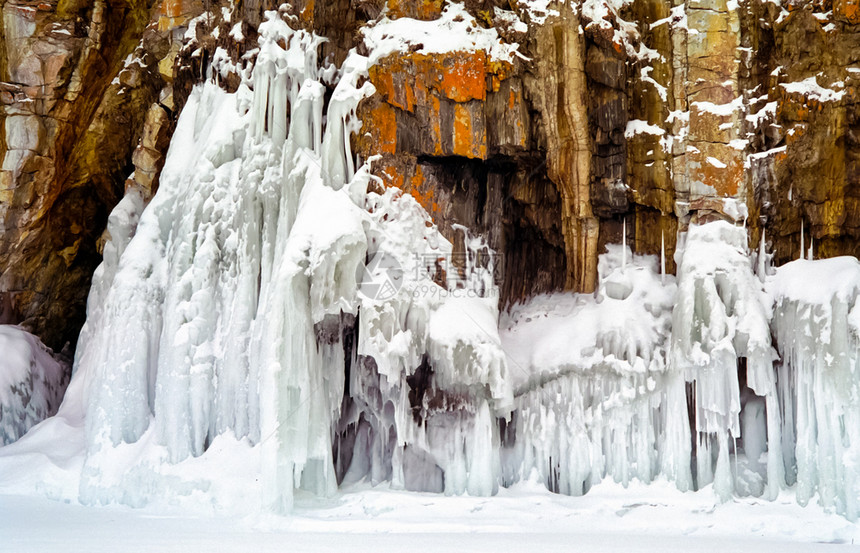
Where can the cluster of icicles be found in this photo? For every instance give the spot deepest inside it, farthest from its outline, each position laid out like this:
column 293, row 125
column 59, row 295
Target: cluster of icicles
column 232, row 306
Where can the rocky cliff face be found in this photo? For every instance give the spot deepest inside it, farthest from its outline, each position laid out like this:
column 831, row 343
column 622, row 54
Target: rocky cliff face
column 601, row 115
column 654, row 113
column 78, row 79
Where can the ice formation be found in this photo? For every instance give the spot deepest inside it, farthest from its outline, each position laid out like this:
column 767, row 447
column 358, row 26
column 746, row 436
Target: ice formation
column 274, row 309
column 720, row 326
column 229, row 308
column 606, row 384
column 817, row 328
column 591, row 376
column 32, row 381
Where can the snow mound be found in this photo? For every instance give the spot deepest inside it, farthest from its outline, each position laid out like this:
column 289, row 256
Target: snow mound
column 32, row 382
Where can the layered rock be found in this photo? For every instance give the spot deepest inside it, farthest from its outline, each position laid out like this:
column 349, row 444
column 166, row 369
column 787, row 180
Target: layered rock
column 77, row 80
column 658, row 114
column 806, row 178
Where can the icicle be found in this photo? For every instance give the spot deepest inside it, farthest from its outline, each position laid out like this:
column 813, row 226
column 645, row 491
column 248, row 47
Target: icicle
column 624, row 244
column 810, row 255
column 278, row 98
column 218, row 326
column 662, row 258
column 802, row 241
column 761, row 269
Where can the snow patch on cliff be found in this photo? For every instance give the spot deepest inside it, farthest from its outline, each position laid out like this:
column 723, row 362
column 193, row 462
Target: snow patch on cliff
column 810, row 88
column 455, row 31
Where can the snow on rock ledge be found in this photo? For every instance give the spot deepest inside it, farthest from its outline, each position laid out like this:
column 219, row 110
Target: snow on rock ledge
column 455, row 30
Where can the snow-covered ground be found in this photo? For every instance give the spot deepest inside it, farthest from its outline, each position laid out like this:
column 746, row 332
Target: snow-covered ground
column 525, row 518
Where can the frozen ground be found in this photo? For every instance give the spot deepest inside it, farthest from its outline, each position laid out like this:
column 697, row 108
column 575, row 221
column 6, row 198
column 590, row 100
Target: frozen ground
column 526, row 518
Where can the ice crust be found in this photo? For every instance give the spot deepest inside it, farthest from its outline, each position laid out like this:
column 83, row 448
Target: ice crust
column 591, row 373
column 230, row 351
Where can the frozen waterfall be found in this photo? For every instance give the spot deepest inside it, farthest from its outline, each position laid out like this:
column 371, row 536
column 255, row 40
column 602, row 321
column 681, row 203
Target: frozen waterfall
column 231, row 309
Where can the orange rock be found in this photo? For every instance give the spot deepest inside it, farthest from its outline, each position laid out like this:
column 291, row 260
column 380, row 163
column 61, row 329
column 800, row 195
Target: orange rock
column 391, row 176
column 435, row 120
column 408, row 177
column 403, row 80
column 307, row 14
column 425, row 10
column 467, row 142
column 424, row 195
column 850, row 9
column 381, row 124
column 463, row 77
column 171, row 8
column 719, row 167
column 420, row 84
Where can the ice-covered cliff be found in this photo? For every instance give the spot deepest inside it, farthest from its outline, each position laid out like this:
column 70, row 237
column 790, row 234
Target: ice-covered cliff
column 276, row 319
column 353, row 262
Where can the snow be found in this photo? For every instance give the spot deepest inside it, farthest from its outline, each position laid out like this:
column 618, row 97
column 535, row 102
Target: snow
column 616, row 364
column 455, row 31
column 811, row 89
column 555, row 333
column 236, row 32
column 677, row 20
column 638, row 126
column 739, row 144
column 817, row 282
column 645, row 77
column 720, row 110
column 609, row 519
column 767, row 153
column 511, row 19
column 716, row 162
column 815, row 323
column 606, row 15
column 721, row 315
column 32, row 382
column 538, row 10
column 218, row 322
column 589, row 375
